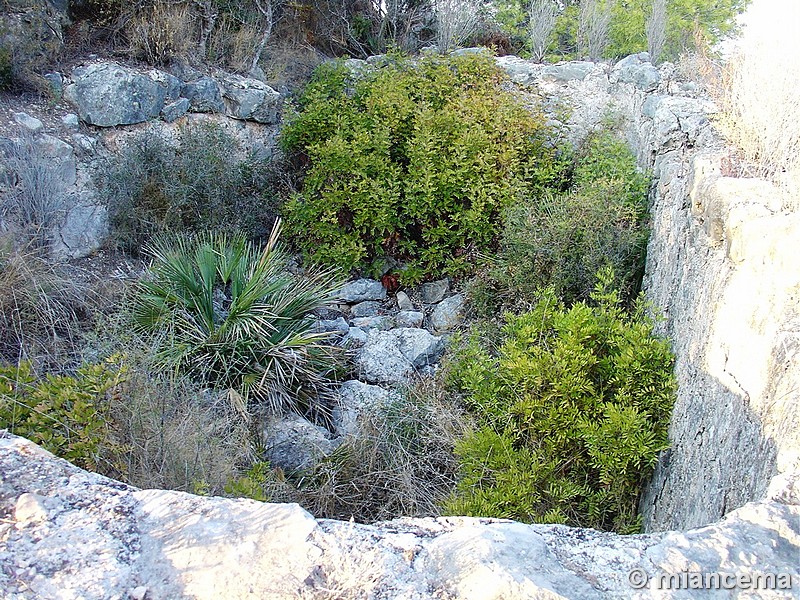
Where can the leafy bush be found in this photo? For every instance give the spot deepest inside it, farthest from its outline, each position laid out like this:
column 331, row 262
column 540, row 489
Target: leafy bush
column 573, row 406
column 561, row 240
column 217, row 308
column 416, row 160
column 66, row 415
column 196, row 182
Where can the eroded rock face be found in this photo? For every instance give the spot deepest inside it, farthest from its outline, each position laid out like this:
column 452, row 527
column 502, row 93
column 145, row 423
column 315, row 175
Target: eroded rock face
column 70, row 534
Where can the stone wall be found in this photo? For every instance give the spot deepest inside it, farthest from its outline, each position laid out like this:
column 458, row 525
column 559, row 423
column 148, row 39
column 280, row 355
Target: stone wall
column 722, row 268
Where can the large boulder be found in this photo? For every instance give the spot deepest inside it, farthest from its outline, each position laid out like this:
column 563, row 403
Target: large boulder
column 361, row 290
column 294, row 443
column 106, row 94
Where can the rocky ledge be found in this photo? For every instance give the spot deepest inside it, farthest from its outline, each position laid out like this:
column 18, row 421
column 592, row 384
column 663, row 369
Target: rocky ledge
column 66, row 533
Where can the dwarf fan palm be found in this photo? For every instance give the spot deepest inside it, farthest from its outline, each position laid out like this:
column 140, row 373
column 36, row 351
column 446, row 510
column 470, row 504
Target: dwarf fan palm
column 220, row 310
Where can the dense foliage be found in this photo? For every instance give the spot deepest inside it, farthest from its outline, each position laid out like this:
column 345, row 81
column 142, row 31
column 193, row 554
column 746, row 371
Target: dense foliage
column 416, row 160
column 65, row 414
column 234, row 317
column 197, row 181
column 561, row 240
column 573, row 406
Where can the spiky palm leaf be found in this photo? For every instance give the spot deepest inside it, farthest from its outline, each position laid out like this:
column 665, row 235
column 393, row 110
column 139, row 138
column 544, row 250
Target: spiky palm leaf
column 233, row 316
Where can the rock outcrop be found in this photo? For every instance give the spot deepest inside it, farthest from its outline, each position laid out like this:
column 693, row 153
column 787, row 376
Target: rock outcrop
column 69, row 534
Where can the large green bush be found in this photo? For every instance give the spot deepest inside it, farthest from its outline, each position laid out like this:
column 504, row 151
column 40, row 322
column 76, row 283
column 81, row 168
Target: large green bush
column 562, row 239
column 573, row 406
column 197, row 181
column 232, row 316
column 416, row 160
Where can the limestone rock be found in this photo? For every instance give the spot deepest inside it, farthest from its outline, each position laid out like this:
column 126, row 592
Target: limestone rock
column 333, row 325
column 106, row 94
column 403, row 301
column 70, row 121
column 204, row 95
column 30, row 123
column 79, row 535
column 409, row 318
column 293, row 443
column 637, row 70
column 381, row 322
column 355, row 338
column 249, row 99
column 175, row 110
column 369, row 308
column 392, row 356
column 357, row 400
column 361, row 290
column 433, row 292
column 448, row 313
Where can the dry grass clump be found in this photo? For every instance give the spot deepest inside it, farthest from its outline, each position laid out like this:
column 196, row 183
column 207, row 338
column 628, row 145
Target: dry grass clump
column 161, row 31
column 41, row 308
column 401, row 463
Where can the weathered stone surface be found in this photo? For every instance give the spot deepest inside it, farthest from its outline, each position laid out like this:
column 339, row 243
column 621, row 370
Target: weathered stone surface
column 409, row 318
column 83, row 230
column 292, row 442
column 30, row 123
column 355, row 338
column 70, row 534
column 175, row 110
column 448, row 314
column 403, row 301
column 392, row 356
column 357, row 400
column 70, row 121
column 204, row 95
column 106, row 94
column 381, row 322
column 361, row 290
column 369, row 308
column 249, row 99
column 333, row 325
column 433, row 292
column 636, row 69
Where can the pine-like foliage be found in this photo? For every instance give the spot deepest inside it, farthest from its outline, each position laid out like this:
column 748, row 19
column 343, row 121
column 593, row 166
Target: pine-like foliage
column 234, row 317
column 574, row 407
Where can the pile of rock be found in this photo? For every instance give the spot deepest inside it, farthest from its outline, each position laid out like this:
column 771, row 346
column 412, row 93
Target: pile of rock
column 392, row 340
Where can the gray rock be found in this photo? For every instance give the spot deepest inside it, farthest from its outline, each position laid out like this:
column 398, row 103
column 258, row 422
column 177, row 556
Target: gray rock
column 448, row 314
column 85, row 143
column 63, row 155
column 171, row 84
column 369, row 308
column 30, row 123
column 355, row 338
column 434, row 291
column 175, row 110
column 83, row 230
column 382, row 322
column 293, row 443
column 110, row 540
column 106, row 94
column 569, row 71
column 393, row 356
column 409, row 318
column 637, row 70
column 204, row 95
column 249, row 99
column 355, row 401
column 70, row 121
column 404, row 302
column 333, row 326
column 361, row 290
column 56, row 82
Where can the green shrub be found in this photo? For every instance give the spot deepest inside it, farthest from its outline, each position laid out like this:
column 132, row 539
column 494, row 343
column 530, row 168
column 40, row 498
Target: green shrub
column 573, row 406
column 416, row 160
column 199, row 181
column 220, row 310
column 66, row 415
column 561, row 240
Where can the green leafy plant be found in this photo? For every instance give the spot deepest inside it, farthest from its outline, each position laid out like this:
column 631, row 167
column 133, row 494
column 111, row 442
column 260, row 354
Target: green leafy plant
column 561, row 240
column 67, row 415
column 199, row 181
column 416, row 160
column 573, row 407
column 232, row 316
